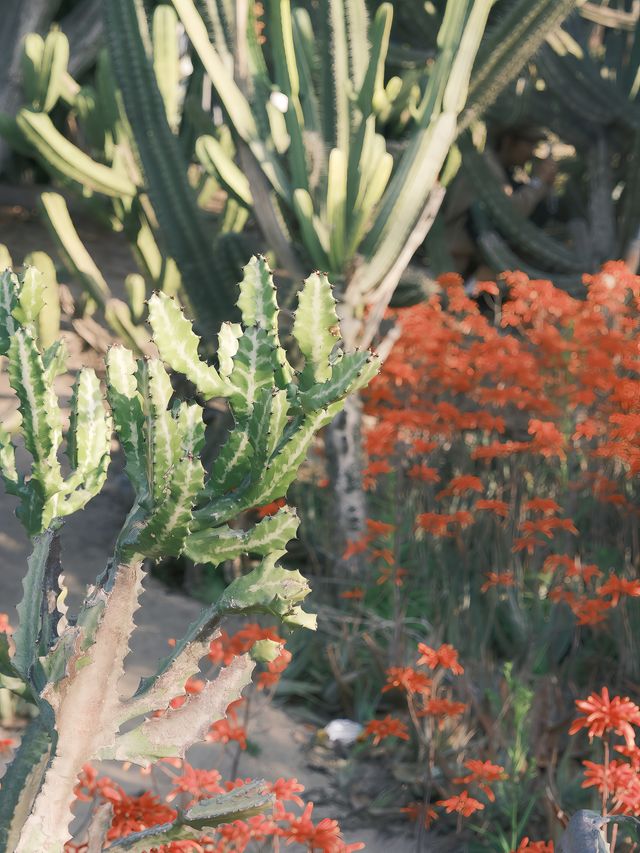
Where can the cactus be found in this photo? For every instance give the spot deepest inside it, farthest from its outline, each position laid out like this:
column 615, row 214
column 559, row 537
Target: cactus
column 589, row 100
column 110, row 173
column 70, row 668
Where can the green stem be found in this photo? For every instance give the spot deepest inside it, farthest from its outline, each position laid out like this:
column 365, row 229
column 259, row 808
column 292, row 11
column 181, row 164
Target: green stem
column 22, row 781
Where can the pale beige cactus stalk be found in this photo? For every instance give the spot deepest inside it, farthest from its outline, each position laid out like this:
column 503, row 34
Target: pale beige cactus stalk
column 71, row 667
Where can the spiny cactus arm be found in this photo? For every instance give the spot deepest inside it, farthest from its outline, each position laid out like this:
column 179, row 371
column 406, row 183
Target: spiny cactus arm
column 40, row 423
column 49, row 320
column 373, row 84
column 336, row 209
column 177, row 729
column 268, row 589
column 88, row 440
column 172, row 197
column 515, row 227
column 238, row 804
column 217, row 163
column 515, row 38
column 43, row 68
column 128, row 414
column 85, row 702
column 288, row 80
column 72, row 250
column 178, row 346
column 314, row 234
column 252, row 369
column 166, row 60
column 218, row 544
column 28, row 637
column 352, row 372
column 259, row 307
column 316, row 329
column 501, row 257
column 370, row 169
column 235, row 104
column 406, row 196
column 166, row 528
column 69, row 162
column 20, row 787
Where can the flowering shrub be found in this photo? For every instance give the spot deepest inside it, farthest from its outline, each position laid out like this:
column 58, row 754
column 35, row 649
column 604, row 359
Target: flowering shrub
column 189, row 785
column 503, row 451
column 515, row 440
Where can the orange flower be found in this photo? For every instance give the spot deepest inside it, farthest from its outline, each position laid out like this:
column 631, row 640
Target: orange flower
column 446, row 657
column 603, row 715
column 407, row 678
column 615, row 587
column 542, row 505
column 379, row 528
column 443, row 708
column 527, row 846
column 424, row 473
column 386, row 727
column 222, row 731
column 461, row 485
column 462, row 803
column 500, row 508
column 417, row 811
column 497, row 579
column 356, row 593
column 356, row 546
column 324, row 836
column 270, row 509
column 434, row 523
column 483, row 773
column 589, row 611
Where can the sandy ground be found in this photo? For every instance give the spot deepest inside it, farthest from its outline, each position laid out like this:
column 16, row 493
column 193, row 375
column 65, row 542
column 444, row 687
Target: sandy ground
column 285, row 744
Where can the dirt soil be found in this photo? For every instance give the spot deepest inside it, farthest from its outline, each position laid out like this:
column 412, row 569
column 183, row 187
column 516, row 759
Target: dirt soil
column 285, row 746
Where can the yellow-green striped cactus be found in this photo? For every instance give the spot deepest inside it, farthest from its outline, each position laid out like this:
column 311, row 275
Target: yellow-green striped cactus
column 70, row 666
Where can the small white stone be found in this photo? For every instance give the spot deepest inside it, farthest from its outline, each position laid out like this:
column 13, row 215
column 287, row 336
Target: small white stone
column 343, row 731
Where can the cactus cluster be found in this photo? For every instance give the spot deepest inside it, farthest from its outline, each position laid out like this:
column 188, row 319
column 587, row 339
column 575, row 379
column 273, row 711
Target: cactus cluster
column 70, row 666
column 106, row 168
column 302, row 104
column 582, row 85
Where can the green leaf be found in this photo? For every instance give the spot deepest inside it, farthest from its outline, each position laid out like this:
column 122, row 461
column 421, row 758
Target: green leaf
column 224, row 543
column 178, row 346
column 316, row 328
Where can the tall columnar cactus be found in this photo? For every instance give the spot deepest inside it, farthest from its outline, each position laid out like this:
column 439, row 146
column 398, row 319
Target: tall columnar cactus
column 70, row 667
column 583, row 86
column 152, row 201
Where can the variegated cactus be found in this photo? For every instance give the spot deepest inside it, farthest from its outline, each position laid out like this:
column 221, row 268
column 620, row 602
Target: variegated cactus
column 71, row 667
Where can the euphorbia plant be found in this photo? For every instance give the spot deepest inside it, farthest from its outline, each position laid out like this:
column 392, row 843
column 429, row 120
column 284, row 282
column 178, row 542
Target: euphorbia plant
column 71, row 667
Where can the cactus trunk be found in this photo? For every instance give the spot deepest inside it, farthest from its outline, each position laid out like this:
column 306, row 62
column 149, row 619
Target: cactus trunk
column 85, row 707
column 344, row 452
